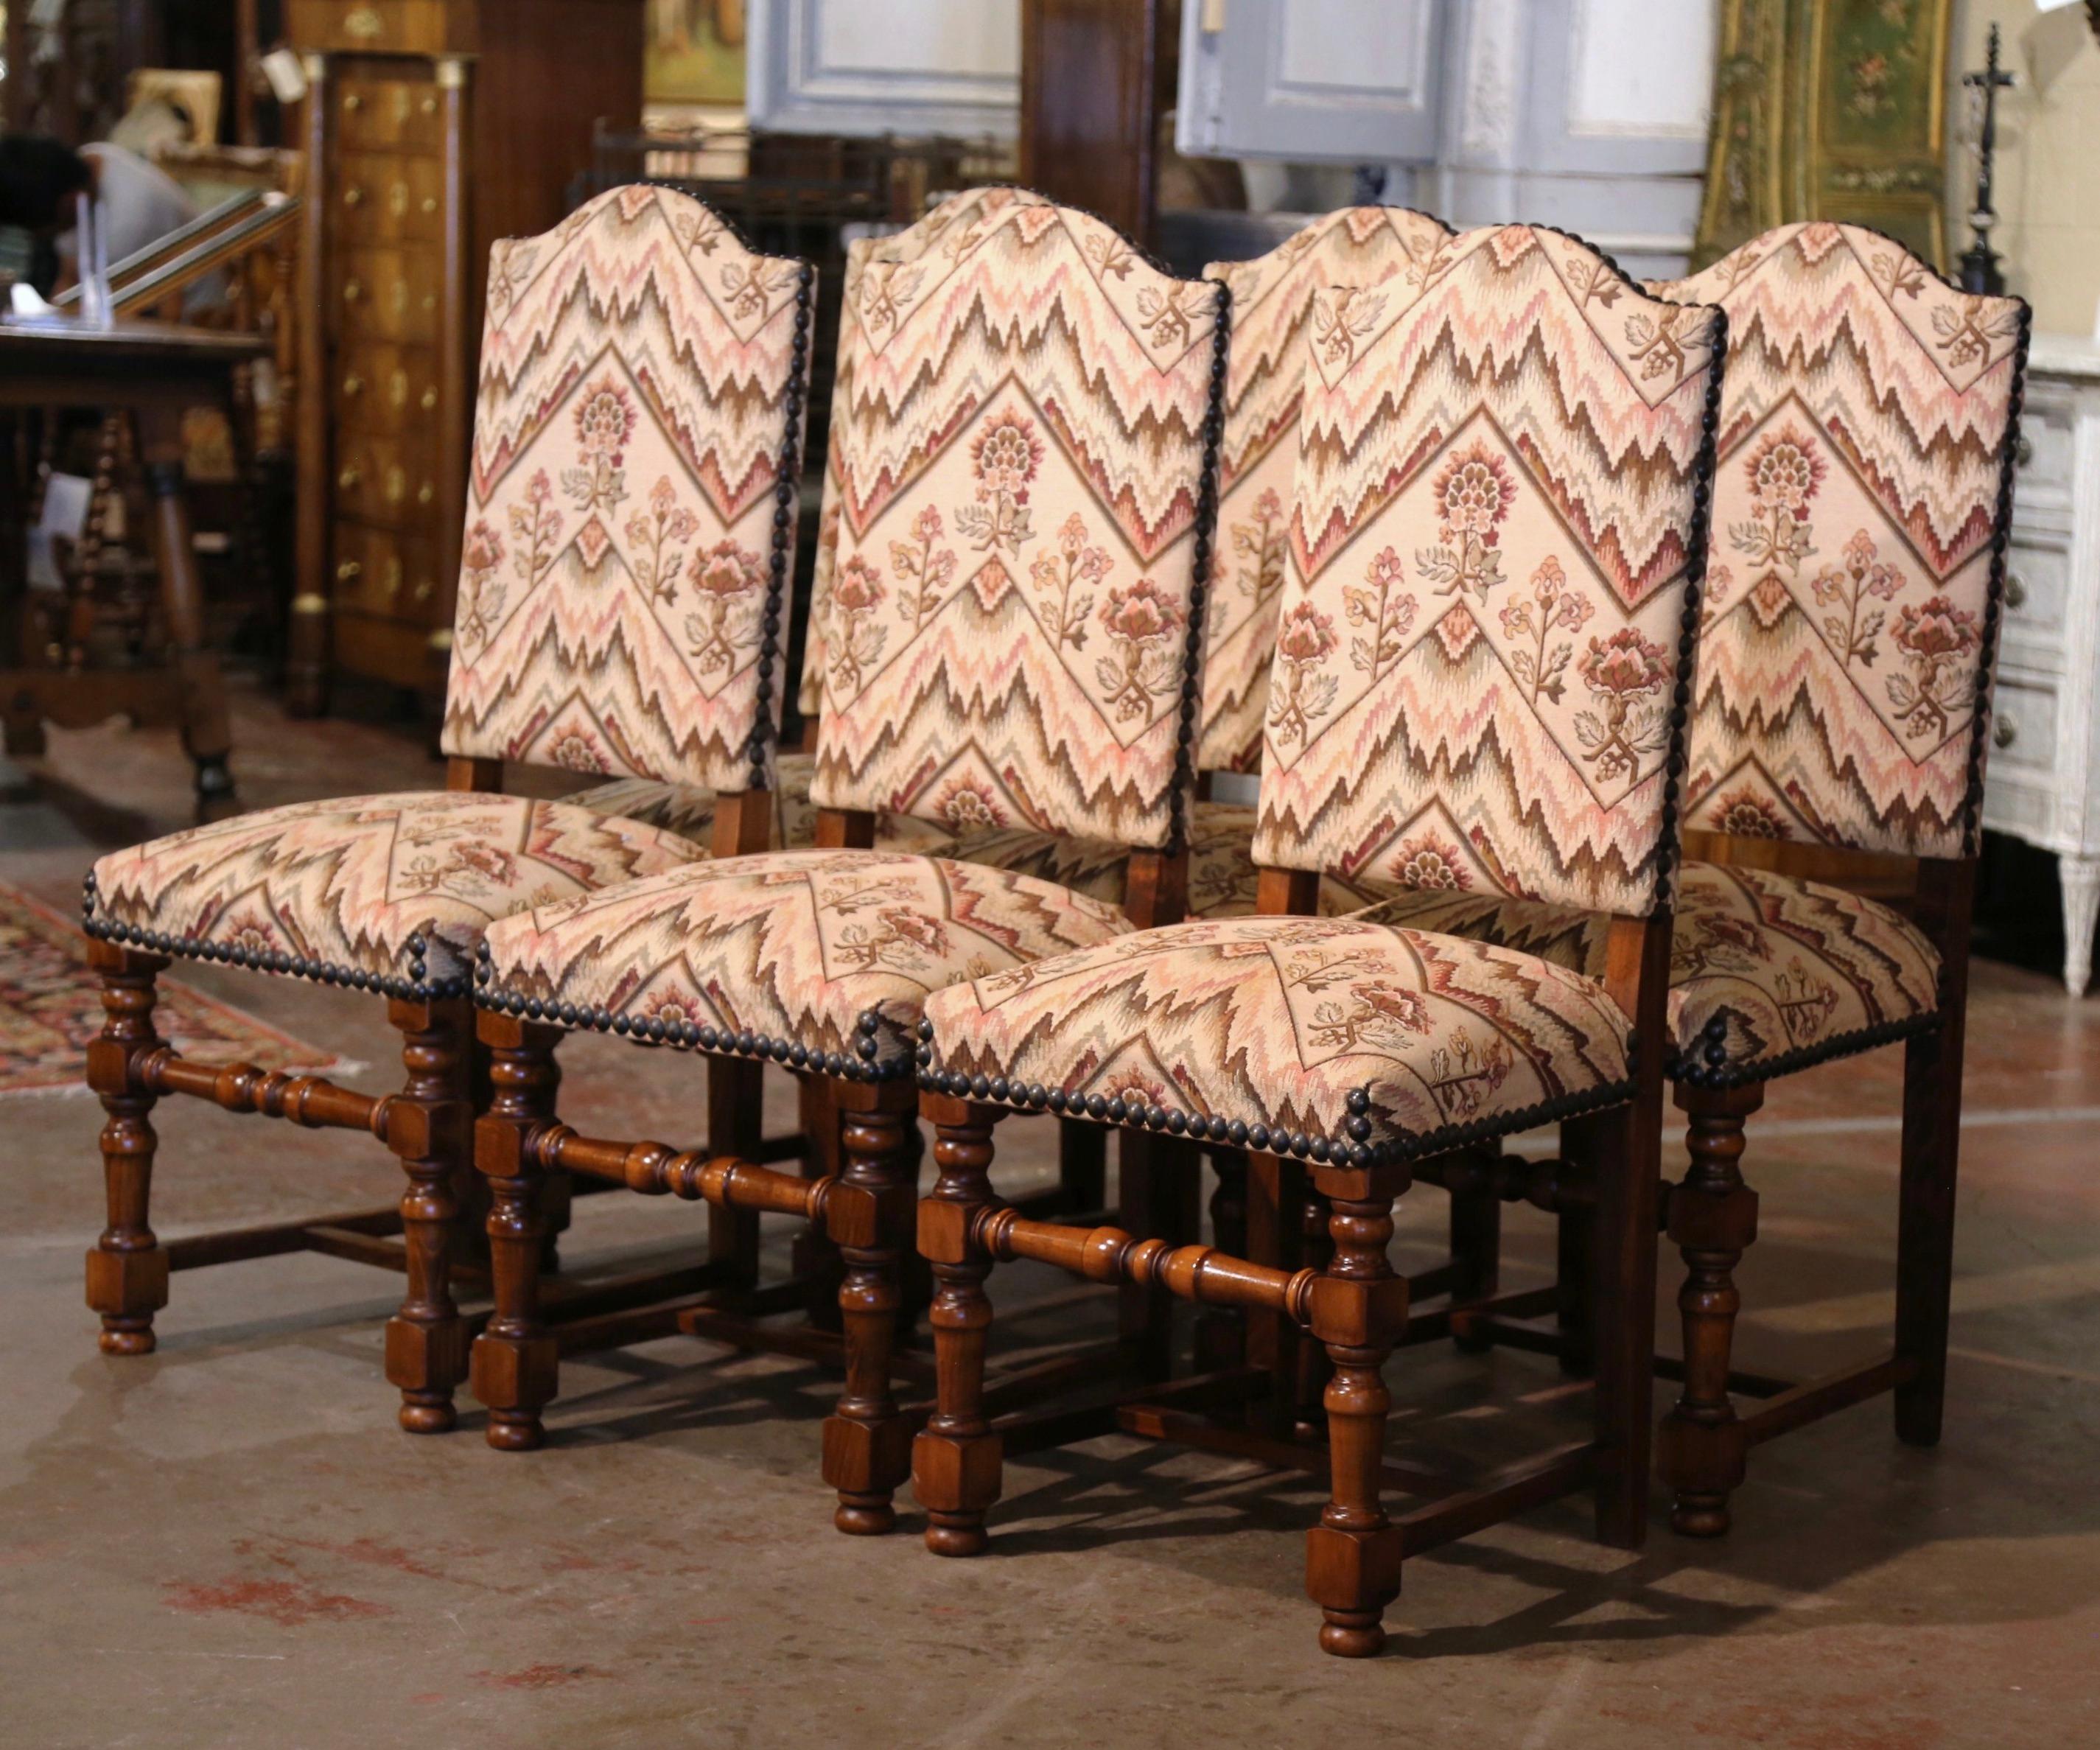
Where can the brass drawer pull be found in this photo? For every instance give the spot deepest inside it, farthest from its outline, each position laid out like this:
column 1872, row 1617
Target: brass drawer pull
column 349, row 571
column 424, row 590
column 429, row 400
column 348, row 479
column 351, row 291
column 352, row 102
column 353, row 384
column 353, row 196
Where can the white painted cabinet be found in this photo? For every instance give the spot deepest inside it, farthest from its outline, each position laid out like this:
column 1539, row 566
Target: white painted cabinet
column 2042, row 781
column 1312, row 80
column 866, row 66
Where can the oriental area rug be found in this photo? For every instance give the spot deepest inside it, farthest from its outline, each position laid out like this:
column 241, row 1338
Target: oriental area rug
column 50, row 1007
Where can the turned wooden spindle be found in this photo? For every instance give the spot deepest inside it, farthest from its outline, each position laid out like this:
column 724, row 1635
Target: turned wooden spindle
column 127, row 1271
column 426, row 1127
column 1359, row 1310
column 1712, row 1220
column 515, row 1363
column 1220, row 1338
column 956, row 1462
column 866, row 1444
column 1315, row 1250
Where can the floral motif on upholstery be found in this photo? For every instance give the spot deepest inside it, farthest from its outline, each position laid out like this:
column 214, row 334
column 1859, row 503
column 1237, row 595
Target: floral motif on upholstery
column 634, row 412
column 1768, row 969
column 1864, row 420
column 1495, row 495
column 795, row 946
column 1276, row 1022
column 346, row 883
column 1028, row 429
column 1316, row 289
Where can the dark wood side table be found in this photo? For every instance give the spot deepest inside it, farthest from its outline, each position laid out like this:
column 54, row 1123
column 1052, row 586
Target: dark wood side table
column 155, row 369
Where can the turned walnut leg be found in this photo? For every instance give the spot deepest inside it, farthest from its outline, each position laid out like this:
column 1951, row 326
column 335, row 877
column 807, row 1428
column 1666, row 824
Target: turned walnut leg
column 867, row 1447
column 1221, row 1333
column 516, row 1366
column 1924, row 1221
column 427, row 1127
column 1316, row 1252
column 1475, row 1218
column 1359, row 1311
column 814, row 1256
column 1712, row 1220
column 956, row 1462
column 127, row 1271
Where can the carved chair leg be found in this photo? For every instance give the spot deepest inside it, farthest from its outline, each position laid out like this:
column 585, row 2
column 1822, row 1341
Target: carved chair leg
column 1712, row 1220
column 956, row 1462
column 1276, row 1194
column 1626, row 1153
column 516, row 1365
column 814, row 1256
column 1221, row 1334
column 127, row 1271
column 1308, row 1416
column 736, row 1112
column 1924, row 1223
column 1476, row 1239
column 867, row 1449
column 1359, row 1311
column 427, row 1129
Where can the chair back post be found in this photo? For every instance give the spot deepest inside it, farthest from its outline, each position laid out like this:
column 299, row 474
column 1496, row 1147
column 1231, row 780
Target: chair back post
column 483, row 776
column 840, row 829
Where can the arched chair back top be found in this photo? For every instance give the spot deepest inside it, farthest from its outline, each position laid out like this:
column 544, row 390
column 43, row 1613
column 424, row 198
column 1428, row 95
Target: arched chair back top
column 1313, row 287
column 1026, row 463
column 630, row 520
column 1860, row 516
column 1491, row 591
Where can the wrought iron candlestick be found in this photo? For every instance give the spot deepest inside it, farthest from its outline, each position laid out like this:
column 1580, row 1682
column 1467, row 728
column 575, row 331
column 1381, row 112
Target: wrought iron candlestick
column 1980, row 261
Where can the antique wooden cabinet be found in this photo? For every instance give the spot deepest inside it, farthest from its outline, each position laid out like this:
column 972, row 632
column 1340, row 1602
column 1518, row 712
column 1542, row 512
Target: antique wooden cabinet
column 435, row 127
column 2043, row 781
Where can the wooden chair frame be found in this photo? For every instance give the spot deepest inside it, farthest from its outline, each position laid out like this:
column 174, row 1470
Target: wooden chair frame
column 429, row 1125
column 864, row 1207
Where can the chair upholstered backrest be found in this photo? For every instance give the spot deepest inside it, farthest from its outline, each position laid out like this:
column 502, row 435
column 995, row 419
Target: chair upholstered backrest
column 1859, row 521
column 1026, row 466
column 630, row 511
column 1304, row 287
column 1491, row 588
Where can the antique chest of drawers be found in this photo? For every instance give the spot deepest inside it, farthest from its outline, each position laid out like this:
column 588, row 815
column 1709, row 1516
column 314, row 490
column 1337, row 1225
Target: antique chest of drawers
column 435, row 128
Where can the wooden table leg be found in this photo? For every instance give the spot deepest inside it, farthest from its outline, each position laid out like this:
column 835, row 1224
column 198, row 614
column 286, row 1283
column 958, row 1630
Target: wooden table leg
column 207, row 736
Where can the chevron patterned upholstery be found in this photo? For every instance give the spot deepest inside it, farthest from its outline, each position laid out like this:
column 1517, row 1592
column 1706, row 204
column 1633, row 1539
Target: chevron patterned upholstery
column 620, row 595
column 1316, row 288
column 1862, row 450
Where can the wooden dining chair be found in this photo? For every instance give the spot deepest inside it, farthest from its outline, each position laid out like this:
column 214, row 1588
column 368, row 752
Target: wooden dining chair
column 1516, row 418
column 629, row 536
column 1856, row 585
column 1033, row 373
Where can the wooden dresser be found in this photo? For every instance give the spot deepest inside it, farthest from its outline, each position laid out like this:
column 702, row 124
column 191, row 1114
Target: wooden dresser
column 2042, row 783
column 437, row 126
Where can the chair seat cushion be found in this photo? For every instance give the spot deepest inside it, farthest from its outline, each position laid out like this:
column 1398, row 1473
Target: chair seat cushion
column 689, row 811
column 796, row 955
column 339, row 889
column 1300, row 1035
column 1771, row 973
